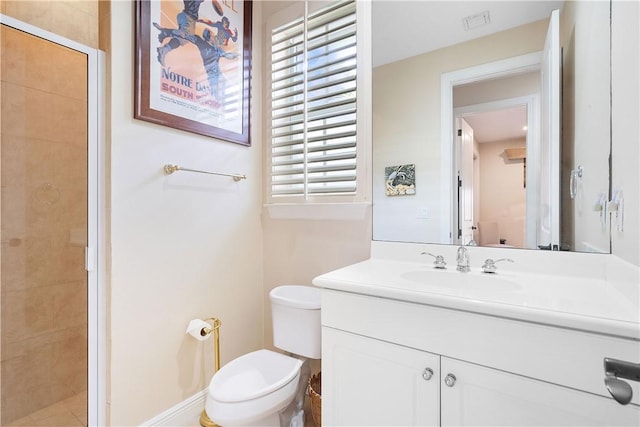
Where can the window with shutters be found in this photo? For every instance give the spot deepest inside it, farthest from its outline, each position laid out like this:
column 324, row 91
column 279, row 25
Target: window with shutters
column 313, row 107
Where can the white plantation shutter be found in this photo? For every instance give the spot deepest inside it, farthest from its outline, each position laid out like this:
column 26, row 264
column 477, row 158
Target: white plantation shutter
column 313, row 105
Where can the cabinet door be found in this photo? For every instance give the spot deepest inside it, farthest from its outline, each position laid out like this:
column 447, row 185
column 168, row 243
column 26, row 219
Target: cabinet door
column 484, row 396
column 366, row 382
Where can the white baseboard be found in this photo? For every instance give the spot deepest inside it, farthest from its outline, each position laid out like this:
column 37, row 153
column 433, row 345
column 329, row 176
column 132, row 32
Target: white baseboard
column 184, row 414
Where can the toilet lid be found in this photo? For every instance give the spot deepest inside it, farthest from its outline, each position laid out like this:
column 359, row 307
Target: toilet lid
column 253, row 375
column 297, row 296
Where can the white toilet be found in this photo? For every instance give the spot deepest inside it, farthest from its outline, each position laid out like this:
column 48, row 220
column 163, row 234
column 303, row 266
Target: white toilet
column 266, row 388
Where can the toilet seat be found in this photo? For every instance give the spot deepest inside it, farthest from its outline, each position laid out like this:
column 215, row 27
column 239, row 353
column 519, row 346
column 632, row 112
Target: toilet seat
column 254, row 384
column 253, row 375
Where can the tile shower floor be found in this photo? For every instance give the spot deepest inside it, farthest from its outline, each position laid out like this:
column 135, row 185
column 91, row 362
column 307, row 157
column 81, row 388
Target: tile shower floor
column 71, row 412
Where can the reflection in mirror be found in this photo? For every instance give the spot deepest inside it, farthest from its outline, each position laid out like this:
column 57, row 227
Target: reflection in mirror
column 495, row 115
column 484, row 168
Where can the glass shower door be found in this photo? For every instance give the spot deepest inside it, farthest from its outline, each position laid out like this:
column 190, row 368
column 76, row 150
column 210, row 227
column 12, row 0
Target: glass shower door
column 43, row 231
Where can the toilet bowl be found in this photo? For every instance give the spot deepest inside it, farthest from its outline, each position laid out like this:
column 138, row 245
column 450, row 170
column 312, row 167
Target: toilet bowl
column 260, row 388
column 252, row 387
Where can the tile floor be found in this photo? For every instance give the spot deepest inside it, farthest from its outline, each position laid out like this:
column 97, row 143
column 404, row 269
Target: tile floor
column 71, row 412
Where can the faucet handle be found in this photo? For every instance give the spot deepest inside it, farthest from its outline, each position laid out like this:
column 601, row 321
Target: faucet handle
column 439, row 260
column 489, row 265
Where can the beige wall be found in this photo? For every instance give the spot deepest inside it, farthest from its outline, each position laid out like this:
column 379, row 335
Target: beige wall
column 74, row 19
column 496, row 89
column 296, row 251
column 502, row 191
column 406, row 126
column 181, row 247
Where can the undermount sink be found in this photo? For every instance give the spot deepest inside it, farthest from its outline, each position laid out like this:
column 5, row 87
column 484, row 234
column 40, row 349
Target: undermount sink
column 452, row 280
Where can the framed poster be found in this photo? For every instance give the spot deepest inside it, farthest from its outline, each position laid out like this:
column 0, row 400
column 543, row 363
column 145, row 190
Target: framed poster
column 193, row 66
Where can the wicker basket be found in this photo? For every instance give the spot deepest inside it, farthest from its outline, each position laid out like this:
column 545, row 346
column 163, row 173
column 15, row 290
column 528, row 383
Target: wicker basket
column 315, row 391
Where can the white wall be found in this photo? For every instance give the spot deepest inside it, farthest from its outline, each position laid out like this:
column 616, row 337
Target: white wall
column 181, row 247
column 406, row 126
column 625, row 126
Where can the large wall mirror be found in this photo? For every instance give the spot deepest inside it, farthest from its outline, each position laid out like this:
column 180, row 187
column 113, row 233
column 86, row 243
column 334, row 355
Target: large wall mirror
column 491, row 123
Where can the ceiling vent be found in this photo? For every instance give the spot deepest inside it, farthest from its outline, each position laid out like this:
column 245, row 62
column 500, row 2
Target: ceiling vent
column 476, row 21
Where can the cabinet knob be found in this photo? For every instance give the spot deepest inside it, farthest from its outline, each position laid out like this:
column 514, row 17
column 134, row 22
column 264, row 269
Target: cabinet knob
column 450, row 380
column 427, row 374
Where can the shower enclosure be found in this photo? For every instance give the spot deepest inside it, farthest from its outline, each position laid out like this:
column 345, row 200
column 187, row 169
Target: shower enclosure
column 45, row 230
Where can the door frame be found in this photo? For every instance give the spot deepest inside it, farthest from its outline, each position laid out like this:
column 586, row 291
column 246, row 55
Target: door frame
column 492, row 70
column 95, row 253
column 532, row 104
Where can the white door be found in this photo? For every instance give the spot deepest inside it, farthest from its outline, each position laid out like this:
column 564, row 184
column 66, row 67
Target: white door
column 483, row 396
column 367, row 382
column 464, row 152
column 548, row 222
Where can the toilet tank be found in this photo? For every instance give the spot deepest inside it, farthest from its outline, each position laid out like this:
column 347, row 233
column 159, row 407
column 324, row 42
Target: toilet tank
column 296, row 320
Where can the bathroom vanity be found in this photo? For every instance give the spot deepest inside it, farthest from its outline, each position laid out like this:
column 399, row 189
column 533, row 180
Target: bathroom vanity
column 407, row 344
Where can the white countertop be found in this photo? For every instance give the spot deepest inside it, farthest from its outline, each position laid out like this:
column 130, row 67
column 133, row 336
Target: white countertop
column 585, row 303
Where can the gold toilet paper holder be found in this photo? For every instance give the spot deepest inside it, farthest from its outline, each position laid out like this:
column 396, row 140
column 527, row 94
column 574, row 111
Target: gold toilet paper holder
column 205, row 421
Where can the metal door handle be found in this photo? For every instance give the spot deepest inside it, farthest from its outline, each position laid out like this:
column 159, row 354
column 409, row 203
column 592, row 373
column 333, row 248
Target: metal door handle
column 614, row 369
column 573, row 181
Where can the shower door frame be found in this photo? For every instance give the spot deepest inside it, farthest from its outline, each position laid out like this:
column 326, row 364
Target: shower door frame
column 95, row 255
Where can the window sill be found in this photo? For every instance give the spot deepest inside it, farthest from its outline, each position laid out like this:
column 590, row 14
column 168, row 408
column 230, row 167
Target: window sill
column 319, row 211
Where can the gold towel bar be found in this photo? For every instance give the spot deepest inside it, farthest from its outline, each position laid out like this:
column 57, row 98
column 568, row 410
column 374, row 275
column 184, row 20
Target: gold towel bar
column 169, row 169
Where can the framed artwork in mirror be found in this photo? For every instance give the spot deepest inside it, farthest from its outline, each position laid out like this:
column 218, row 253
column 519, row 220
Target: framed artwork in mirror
column 400, row 180
column 193, row 66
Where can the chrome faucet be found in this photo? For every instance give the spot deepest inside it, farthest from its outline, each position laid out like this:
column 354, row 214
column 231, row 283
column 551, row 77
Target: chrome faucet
column 463, row 259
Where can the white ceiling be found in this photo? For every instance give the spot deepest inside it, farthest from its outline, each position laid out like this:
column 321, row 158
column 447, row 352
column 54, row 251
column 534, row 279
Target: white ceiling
column 499, row 125
column 401, row 29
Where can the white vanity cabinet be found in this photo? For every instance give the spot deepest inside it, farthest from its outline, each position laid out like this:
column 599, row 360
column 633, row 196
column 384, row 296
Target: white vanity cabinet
column 368, row 382
column 378, row 355
column 485, row 396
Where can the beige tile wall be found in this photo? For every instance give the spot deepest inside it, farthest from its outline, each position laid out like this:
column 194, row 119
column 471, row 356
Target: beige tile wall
column 43, row 221
column 74, row 19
